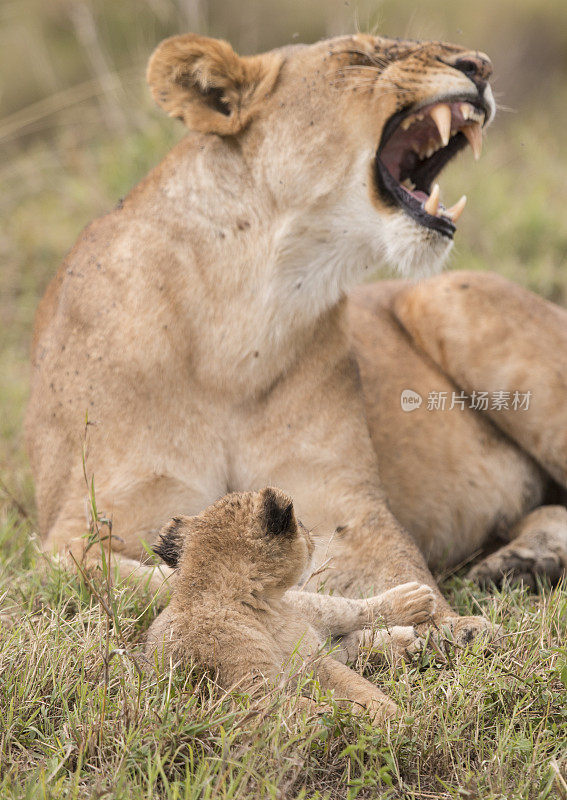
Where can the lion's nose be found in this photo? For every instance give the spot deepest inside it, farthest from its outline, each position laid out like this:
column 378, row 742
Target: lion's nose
column 476, row 66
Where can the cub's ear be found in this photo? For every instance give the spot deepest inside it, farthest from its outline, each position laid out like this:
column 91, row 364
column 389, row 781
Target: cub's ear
column 207, row 85
column 170, row 542
column 277, row 512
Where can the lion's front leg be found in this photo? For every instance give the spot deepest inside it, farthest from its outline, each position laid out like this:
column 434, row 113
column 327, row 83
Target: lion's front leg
column 325, row 460
column 362, row 551
column 406, row 604
column 390, row 645
column 331, row 615
column 373, row 557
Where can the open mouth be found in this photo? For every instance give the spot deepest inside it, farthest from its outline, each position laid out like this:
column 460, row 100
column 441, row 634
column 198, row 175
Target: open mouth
column 415, row 146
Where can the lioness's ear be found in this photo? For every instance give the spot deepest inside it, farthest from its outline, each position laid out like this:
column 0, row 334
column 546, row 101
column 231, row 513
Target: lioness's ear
column 207, row 85
column 170, row 542
column 277, row 512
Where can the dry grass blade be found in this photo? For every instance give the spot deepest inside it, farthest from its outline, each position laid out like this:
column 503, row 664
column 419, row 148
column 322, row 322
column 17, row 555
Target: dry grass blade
column 14, row 124
column 559, row 779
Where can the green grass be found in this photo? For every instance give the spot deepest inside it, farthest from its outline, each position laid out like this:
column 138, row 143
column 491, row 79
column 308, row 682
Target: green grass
column 77, row 720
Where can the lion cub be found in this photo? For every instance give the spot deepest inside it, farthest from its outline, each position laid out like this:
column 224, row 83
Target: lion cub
column 232, row 609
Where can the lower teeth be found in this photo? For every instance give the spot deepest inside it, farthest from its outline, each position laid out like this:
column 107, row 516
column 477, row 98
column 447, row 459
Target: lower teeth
column 435, row 208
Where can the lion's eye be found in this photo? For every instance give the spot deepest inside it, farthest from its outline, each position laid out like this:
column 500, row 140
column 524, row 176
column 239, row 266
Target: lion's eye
column 361, row 59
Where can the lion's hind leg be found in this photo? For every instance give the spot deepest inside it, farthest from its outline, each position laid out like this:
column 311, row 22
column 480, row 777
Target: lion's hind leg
column 353, row 691
column 497, row 339
column 538, row 549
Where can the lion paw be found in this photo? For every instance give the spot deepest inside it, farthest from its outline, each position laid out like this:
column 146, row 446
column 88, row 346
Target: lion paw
column 407, row 604
column 380, row 710
column 518, row 564
column 462, row 631
column 538, row 549
column 400, row 643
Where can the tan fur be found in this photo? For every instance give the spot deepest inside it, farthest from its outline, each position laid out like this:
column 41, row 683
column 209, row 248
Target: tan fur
column 451, row 477
column 190, row 75
column 457, row 477
column 203, row 324
column 538, row 550
column 230, row 610
column 523, row 349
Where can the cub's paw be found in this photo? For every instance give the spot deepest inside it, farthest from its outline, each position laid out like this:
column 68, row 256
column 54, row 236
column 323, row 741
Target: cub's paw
column 373, row 703
column 405, row 604
column 380, row 710
column 400, row 643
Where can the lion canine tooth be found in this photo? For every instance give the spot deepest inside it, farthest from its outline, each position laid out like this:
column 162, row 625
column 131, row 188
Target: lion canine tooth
column 441, row 116
column 406, row 123
column 455, row 211
column 474, row 135
column 432, row 203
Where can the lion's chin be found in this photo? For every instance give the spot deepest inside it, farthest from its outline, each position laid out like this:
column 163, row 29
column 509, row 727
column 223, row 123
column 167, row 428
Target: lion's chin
column 413, row 251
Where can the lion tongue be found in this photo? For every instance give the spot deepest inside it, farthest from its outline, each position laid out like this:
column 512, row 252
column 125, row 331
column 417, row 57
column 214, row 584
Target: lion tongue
column 417, row 193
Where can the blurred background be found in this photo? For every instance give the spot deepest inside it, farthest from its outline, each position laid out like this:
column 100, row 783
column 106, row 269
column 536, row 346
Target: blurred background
column 78, row 130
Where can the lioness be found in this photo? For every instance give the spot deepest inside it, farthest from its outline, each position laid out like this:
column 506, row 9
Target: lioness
column 204, row 324
column 233, row 610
